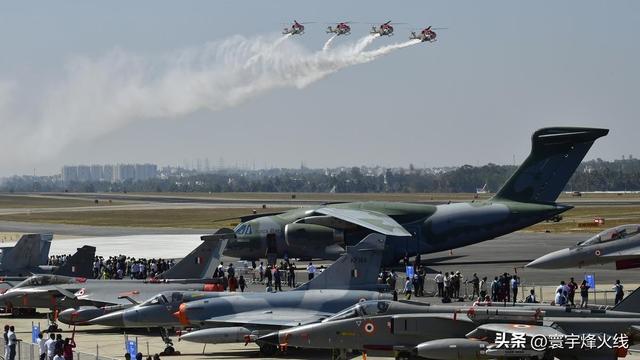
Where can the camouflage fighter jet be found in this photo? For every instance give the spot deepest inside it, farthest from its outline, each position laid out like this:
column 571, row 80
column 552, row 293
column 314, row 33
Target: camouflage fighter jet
column 527, row 198
column 88, row 298
column 456, row 332
column 244, row 316
column 620, row 244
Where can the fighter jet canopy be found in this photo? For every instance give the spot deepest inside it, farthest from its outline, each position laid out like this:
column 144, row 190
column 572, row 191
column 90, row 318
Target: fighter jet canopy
column 616, row 233
column 365, row 308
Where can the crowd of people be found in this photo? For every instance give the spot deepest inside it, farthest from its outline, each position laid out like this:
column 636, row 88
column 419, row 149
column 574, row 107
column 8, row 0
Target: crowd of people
column 121, row 266
column 271, row 276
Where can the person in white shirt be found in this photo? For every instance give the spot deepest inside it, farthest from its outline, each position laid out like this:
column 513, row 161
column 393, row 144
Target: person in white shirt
column 12, row 341
column 58, row 356
column 41, row 346
column 311, row 270
column 560, row 298
column 439, row 279
column 51, row 346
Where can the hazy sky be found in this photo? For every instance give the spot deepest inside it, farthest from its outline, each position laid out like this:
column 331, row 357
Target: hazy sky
column 162, row 81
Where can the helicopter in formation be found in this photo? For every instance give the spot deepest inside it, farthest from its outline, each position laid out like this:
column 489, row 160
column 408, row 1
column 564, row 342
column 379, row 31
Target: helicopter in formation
column 341, row 28
column 385, row 29
column 295, row 29
column 427, row 34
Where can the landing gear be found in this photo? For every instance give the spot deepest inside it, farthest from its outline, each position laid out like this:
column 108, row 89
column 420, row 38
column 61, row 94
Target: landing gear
column 339, row 354
column 169, row 349
column 405, row 355
column 268, row 349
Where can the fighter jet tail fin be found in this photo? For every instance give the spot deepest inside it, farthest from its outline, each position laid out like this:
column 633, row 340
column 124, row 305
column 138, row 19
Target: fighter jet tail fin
column 203, row 260
column 79, row 264
column 31, row 251
column 555, row 154
column 631, row 303
column 358, row 269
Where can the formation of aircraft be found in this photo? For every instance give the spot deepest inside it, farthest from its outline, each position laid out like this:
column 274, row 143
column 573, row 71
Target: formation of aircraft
column 620, row 244
column 458, row 332
column 344, row 28
column 527, row 198
column 243, row 316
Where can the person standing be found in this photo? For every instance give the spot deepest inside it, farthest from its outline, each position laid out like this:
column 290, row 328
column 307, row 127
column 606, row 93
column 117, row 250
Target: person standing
column 67, row 350
column 277, row 279
column 584, row 294
column 475, row 283
column 261, row 270
column 242, row 283
column 515, row 282
column 51, row 346
column 408, row 288
column 483, row 287
column 619, row 289
column 446, row 283
column 6, row 341
column 12, row 341
column 311, row 270
column 439, row 279
column 573, row 286
column 291, row 281
column 41, row 346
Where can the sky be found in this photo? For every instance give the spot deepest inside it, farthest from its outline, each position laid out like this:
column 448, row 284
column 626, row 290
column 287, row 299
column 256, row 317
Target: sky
column 93, row 82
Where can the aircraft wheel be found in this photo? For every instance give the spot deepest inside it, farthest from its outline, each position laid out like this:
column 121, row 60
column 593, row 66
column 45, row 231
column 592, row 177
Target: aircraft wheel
column 169, row 350
column 268, row 349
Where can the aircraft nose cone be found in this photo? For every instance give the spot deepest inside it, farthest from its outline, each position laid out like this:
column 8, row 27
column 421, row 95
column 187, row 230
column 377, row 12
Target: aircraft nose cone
column 555, row 260
column 272, row 338
column 115, row 319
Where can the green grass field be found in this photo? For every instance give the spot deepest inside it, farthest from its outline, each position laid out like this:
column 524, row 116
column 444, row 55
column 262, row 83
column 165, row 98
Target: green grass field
column 8, row 201
column 181, row 218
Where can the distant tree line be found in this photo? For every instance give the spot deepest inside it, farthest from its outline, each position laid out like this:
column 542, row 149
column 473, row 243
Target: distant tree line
column 594, row 175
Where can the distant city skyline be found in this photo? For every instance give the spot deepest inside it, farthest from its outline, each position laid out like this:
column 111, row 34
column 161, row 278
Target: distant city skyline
column 160, row 81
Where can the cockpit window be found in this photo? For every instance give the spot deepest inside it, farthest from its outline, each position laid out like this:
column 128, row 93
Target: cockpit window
column 176, row 297
column 156, row 300
column 348, row 313
column 243, row 229
column 616, row 233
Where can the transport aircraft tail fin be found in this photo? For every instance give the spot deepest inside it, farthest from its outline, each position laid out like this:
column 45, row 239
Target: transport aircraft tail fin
column 631, row 303
column 203, row 260
column 358, row 269
column 79, row 264
column 555, row 154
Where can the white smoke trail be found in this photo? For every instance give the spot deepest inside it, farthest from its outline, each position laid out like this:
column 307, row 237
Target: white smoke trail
column 328, row 43
column 101, row 95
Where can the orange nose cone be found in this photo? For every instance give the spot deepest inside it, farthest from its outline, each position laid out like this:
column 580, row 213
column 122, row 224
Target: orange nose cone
column 181, row 314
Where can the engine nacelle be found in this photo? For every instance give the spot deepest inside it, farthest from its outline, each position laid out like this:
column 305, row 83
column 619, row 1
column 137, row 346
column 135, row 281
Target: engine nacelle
column 305, row 235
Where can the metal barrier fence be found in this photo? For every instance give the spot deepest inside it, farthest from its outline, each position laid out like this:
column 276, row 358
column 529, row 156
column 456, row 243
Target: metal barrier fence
column 29, row 351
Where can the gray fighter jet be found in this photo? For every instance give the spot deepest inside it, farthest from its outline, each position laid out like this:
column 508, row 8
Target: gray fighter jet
column 452, row 332
column 242, row 317
column 527, row 198
column 31, row 255
column 88, row 298
column 620, row 244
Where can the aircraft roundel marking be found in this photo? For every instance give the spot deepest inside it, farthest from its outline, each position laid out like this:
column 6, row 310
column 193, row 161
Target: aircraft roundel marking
column 521, row 326
column 362, row 300
column 369, row 328
column 598, row 252
column 80, row 292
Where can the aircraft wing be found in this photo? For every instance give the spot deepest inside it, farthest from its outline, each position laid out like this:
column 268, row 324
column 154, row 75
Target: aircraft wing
column 485, row 330
column 375, row 221
column 281, row 317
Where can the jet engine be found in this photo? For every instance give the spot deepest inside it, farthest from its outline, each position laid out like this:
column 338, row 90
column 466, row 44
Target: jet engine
column 304, row 235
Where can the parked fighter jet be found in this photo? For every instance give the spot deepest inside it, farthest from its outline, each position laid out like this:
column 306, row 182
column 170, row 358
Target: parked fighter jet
column 88, row 298
column 410, row 329
column 620, row 244
column 239, row 317
column 525, row 199
column 29, row 253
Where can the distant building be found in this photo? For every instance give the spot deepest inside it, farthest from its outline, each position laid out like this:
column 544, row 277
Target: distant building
column 111, row 173
column 69, row 174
